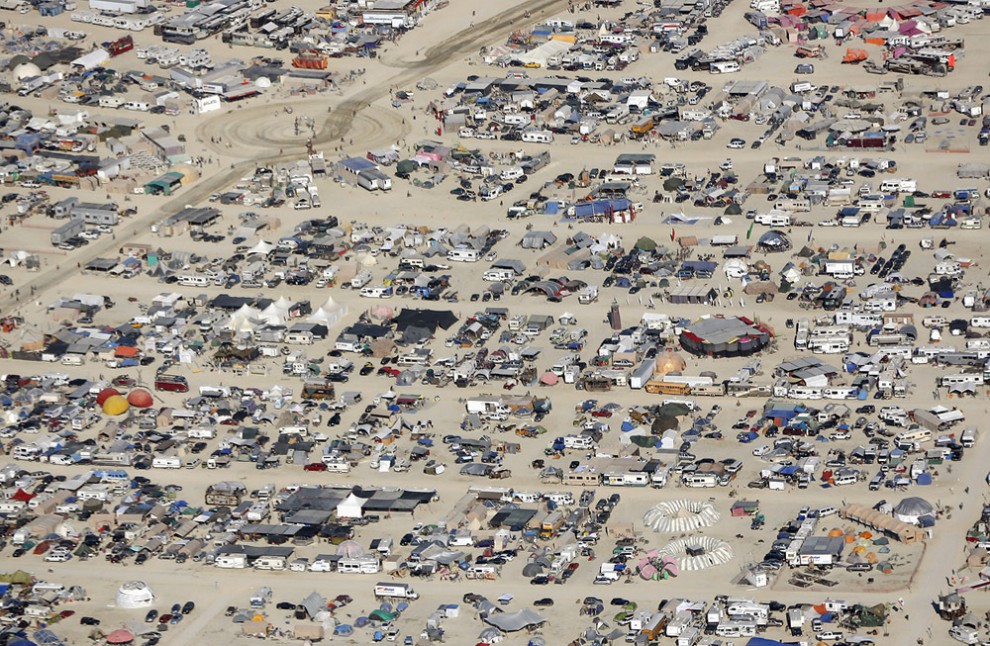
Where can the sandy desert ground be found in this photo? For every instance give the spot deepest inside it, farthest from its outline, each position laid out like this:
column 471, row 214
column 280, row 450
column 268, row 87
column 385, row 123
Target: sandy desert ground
column 362, row 118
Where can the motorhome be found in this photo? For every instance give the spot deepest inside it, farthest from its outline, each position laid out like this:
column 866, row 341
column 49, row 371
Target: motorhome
column 537, row 136
column 462, row 254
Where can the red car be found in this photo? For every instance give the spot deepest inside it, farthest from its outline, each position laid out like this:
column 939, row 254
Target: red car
column 315, row 466
column 601, row 412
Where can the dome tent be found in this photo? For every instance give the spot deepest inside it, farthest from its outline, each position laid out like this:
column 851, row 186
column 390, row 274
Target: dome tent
column 106, row 394
column 135, row 594
column 912, row 508
column 116, row 405
column 139, row 398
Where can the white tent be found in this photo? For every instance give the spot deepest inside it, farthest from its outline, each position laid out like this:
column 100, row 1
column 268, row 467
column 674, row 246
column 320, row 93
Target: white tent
column 135, row 594
column 350, row 507
column 329, row 313
column 92, row 60
column 274, row 315
column 262, row 248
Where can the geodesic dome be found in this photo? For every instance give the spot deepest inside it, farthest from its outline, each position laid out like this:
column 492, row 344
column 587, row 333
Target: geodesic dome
column 135, row 594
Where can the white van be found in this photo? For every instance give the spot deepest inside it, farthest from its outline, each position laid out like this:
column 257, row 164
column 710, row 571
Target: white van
column 724, row 67
column 511, row 174
column 111, row 102
column 140, row 106
column 846, row 479
column 72, row 360
column 968, row 438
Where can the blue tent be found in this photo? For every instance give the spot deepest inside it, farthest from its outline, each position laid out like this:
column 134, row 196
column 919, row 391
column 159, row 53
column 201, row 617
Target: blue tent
column 343, row 629
column 748, row 437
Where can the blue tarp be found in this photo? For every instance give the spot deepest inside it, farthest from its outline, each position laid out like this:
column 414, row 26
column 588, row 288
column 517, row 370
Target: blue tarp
column 763, row 641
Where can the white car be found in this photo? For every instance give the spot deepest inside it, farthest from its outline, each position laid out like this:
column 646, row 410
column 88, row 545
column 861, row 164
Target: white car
column 829, row 636
column 736, row 143
column 763, row 449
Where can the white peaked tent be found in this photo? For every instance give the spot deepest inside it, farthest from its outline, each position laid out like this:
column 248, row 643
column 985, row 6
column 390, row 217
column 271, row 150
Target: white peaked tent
column 262, row 247
column 328, row 314
column 244, row 320
column 283, row 304
column 350, row 507
column 274, row 315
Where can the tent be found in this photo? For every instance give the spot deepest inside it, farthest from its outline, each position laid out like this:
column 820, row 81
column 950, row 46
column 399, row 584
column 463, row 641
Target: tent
column 106, row 394
column 512, row 621
column 120, row 636
column 116, row 405
column 139, row 398
column 133, row 595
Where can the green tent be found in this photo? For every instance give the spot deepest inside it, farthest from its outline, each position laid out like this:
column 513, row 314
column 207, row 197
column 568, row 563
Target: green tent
column 20, row 577
column 646, row 244
column 673, row 409
column 382, row 615
column 405, row 167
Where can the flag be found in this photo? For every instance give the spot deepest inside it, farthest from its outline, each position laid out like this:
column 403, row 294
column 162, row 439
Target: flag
column 750, row 232
column 672, row 234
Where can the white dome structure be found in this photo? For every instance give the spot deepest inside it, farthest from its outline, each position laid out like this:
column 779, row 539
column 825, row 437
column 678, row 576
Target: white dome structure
column 680, row 516
column 911, row 509
column 713, row 552
column 134, row 595
column 26, row 70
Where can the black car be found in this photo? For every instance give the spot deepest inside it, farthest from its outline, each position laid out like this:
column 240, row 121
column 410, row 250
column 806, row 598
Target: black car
column 188, row 607
column 89, row 621
column 543, row 603
column 151, row 616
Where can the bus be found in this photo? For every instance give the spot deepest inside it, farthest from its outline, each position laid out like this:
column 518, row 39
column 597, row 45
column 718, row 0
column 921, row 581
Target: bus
column 171, row 383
